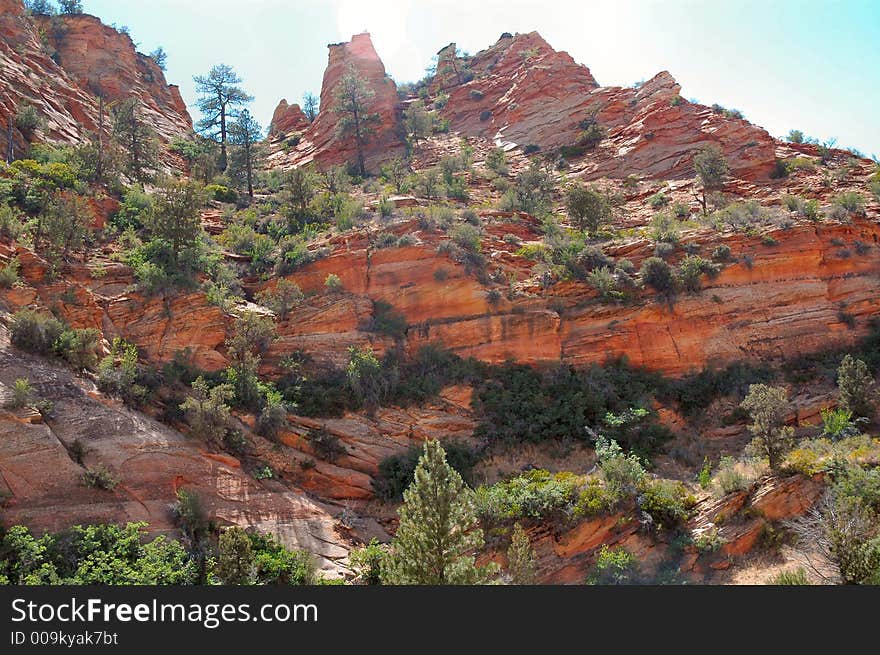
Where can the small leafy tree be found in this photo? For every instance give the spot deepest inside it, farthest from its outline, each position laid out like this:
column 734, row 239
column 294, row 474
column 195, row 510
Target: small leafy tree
column 365, row 376
column 767, row 406
column 839, row 538
column 27, row 121
column 22, row 393
column 175, row 217
column 206, row 410
column 418, row 123
column 40, row 7
column 531, row 192
column 438, row 532
column 857, row 387
column 160, row 57
column 300, row 186
column 712, row 171
column 588, row 208
column 657, row 274
column 396, row 172
column 62, row 227
column 496, row 160
column 352, row 99
column 614, row 566
column 282, row 298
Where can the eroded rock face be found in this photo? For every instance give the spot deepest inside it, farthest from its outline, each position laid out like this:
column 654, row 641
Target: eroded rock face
column 782, row 300
column 287, row 119
column 103, row 60
column 89, row 58
column 161, row 327
column 523, row 92
column 41, row 481
column 321, row 141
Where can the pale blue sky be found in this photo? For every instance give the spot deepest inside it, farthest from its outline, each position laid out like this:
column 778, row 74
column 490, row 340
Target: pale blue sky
column 807, row 64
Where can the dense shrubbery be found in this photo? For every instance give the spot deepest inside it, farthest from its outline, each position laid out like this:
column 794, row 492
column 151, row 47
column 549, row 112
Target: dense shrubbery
column 521, row 404
column 107, row 554
column 396, row 472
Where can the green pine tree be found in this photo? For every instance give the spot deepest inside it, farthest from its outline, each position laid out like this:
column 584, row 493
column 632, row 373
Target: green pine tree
column 858, row 390
column 235, row 564
column 438, row 532
column 520, row 558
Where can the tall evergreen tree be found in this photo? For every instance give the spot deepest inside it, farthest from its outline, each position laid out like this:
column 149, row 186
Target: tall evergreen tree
column 246, row 133
column 352, row 103
column 438, row 532
column 858, row 390
column 310, row 106
column 220, row 99
column 520, row 558
column 235, row 561
column 136, row 140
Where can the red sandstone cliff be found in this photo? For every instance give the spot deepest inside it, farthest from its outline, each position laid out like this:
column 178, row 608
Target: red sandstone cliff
column 88, row 57
column 524, row 92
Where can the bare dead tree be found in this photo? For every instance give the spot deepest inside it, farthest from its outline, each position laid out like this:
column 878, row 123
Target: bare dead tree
column 834, row 539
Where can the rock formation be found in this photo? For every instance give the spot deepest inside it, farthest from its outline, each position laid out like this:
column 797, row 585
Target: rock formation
column 523, row 92
column 321, row 142
column 287, row 119
column 61, row 77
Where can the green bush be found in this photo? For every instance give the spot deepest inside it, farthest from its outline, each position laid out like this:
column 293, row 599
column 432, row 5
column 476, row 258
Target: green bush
column 851, row 201
column 658, row 200
column 614, row 566
column 9, row 274
column 591, row 136
column 588, row 208
column 496, row 160
column 519, row 404
column 387, row 321
column 79, row 347
column 667, row 501
column 657, row 274
column 27, row 121
column 536, row 495
column 22, row 394
column 221, row 193
column 118, row 373
column 796, row 576
column 282, row 298
column 691, row 270
column 100, row 477
column 333, row 283
column 721, row 253
column 327, row 446
column 604, row 282
column 35, row 332
column 728, row 478
column 396, row 472
column 94, row 555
